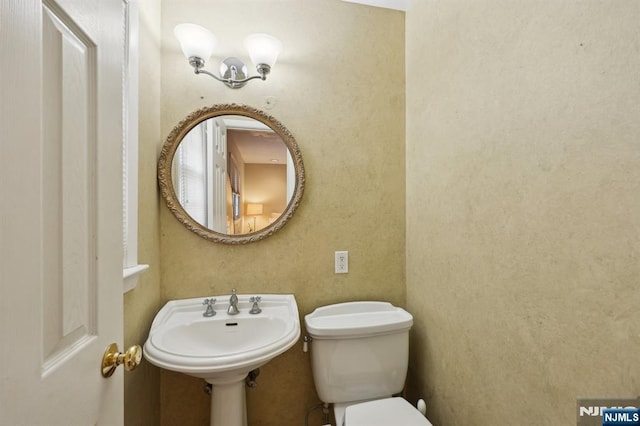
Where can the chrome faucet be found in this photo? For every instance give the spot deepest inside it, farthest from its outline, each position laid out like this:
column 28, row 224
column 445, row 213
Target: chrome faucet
column 233, row 304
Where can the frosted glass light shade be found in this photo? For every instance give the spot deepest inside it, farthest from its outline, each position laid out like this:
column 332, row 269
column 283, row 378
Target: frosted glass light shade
column 263, row 48
column 195, row 41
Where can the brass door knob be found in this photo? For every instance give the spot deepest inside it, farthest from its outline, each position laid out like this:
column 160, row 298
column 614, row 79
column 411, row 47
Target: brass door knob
column 112, row 359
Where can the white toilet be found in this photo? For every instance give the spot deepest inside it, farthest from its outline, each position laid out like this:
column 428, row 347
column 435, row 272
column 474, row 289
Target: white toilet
column 359, row 358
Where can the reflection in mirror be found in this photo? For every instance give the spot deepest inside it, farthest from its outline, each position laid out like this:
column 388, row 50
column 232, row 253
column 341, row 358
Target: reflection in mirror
column 231, row 173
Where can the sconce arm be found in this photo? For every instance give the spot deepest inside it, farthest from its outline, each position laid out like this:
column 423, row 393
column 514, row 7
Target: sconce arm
column 203, row 71
column 228, row 80
column 198, row 68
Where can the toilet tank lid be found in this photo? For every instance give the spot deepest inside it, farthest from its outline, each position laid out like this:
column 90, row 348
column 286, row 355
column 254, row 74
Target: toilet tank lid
column 357, row 319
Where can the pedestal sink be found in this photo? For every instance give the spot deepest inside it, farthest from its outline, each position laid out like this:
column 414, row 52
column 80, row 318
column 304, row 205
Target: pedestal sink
column 223, row 349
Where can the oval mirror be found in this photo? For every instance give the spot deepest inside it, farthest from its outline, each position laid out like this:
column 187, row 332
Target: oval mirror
column 231, row 173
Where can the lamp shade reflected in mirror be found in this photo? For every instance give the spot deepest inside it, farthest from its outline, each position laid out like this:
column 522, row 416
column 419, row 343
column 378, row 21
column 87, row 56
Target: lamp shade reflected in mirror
column 231, row 174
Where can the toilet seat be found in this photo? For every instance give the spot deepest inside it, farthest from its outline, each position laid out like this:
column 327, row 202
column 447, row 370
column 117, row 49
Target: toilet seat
column 384, row 412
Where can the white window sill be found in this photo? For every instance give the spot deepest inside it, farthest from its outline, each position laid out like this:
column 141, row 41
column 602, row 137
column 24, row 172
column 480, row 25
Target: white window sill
column 130, row 276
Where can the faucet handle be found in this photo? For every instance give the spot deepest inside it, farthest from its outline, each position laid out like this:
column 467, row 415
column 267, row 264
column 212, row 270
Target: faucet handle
column 209, row 304
column 255, row 309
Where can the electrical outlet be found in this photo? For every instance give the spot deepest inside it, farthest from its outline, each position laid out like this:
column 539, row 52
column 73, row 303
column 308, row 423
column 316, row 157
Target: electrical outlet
column 342, row 262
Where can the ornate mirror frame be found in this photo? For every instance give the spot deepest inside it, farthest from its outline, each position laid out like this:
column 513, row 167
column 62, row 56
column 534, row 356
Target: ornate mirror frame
column 165, row 178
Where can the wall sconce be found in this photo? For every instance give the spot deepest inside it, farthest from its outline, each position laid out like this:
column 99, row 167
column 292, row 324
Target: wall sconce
column 197, row 44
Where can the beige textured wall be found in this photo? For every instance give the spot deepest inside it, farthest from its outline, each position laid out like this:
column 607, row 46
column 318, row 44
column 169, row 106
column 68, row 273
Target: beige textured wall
column 339, row 88
column 523, row 206
column 142, row 386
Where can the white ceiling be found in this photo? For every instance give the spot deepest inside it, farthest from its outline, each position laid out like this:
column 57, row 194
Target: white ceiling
column 388, row 4
column 258, row 146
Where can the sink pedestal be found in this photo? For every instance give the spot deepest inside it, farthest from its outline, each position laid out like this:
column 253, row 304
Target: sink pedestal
column 228, row 403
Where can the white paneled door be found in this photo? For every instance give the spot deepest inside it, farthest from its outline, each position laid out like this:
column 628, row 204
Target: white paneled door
column 61, row 210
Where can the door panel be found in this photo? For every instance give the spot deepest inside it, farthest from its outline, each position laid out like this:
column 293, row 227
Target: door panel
column 61, row 227
column 69, row 146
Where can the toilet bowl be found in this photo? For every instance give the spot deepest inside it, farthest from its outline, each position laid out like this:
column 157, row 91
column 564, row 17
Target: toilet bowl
column 359, row 358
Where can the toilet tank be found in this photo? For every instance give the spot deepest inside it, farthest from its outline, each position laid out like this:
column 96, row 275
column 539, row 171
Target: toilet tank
column 359, row 350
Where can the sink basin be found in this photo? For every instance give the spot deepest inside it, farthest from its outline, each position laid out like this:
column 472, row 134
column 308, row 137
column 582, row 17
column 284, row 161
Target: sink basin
column 224, row 348
column 182, row 340
column 223, row 336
